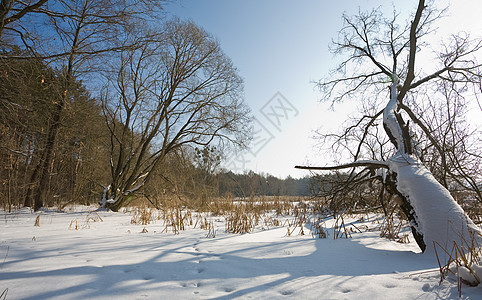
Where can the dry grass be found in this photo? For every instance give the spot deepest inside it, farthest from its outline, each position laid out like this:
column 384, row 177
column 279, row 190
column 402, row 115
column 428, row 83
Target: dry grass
column 462, row 260
column 392, row 231
column 176, row 219
column 3, row 296
column 317, row 228
column 92, row 217
column 243, row 219
column 209, row 226
column 143, row 216
column 340, row 229
column 242, row 215
column 300, row 216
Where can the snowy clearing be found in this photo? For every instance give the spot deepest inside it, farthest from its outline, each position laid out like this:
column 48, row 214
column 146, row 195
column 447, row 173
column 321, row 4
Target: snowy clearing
column 101, row 255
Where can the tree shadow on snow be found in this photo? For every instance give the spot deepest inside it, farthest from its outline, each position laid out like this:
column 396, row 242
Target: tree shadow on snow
column 230, row 264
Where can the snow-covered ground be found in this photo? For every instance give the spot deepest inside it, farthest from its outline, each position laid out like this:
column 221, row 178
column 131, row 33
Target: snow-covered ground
column 75, row 255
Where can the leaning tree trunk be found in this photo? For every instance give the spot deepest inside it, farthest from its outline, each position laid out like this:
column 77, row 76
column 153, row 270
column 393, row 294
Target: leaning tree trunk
column 435, row 217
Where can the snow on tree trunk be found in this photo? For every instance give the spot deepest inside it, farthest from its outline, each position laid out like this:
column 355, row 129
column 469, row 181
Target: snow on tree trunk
column 433, row 213
column 390, row 122
column 439, row 217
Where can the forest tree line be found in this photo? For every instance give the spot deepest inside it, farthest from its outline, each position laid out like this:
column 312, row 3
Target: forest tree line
column 110, row 101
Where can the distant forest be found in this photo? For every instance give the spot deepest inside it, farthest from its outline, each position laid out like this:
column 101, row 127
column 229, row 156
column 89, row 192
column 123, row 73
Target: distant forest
column 252, row 184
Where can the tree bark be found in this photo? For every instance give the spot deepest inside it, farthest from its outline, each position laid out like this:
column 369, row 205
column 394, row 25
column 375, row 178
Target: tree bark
column 41, row 190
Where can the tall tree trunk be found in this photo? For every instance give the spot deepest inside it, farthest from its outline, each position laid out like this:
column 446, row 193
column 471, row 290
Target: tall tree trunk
column 435, row 217
column 42, row 187
column 32, row 183
column 41, row 190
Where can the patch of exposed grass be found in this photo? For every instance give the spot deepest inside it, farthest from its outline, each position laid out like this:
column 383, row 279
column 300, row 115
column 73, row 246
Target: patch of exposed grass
column 462, row 261
column 91, row 217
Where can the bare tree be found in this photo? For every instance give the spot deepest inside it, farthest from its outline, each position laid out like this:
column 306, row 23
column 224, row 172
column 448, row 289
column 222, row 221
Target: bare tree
column 177, row 89
column 11, row 11
column 380, row 51
column 70, row 35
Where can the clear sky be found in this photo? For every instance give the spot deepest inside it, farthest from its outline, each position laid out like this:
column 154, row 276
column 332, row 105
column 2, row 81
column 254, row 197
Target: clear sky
column 280, row 47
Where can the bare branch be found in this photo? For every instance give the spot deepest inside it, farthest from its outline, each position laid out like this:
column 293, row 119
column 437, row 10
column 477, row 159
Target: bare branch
column 360, row 163
column 413, row 49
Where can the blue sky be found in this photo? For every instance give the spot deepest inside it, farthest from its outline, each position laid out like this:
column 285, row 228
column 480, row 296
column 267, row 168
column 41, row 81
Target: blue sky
column 280, row 47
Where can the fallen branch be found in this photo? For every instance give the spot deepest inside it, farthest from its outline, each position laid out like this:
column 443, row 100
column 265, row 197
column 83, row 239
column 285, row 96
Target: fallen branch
column 362, row 163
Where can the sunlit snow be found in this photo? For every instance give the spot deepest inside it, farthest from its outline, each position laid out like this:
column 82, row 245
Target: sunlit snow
column 101, row 255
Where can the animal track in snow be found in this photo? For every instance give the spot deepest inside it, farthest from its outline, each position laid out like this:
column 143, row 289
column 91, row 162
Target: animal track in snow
column 286, row 292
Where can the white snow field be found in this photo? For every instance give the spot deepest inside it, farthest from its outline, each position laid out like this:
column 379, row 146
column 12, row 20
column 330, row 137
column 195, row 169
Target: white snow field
column 76, row 255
